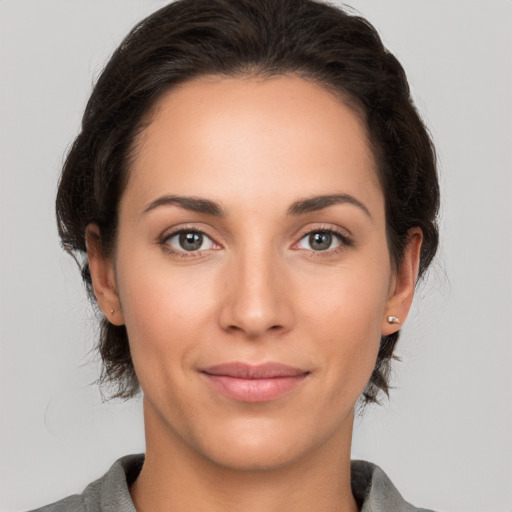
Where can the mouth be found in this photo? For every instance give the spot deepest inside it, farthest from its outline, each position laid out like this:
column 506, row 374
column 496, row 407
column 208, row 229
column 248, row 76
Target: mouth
column 248, row 383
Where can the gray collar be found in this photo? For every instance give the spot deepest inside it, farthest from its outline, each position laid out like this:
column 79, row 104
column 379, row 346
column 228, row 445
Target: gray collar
column 372, row 489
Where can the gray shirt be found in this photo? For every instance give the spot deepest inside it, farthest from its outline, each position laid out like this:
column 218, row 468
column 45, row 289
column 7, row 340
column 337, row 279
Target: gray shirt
column 372, row 489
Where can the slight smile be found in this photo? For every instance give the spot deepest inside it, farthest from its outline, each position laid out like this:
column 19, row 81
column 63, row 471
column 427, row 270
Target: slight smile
column 248, row 383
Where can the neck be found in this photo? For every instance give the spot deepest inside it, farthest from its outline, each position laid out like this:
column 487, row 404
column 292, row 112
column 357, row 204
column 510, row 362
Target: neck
column 175, row 477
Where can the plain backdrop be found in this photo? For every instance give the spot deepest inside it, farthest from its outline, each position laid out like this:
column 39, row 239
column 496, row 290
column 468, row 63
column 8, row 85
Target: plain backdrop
column 444, row 437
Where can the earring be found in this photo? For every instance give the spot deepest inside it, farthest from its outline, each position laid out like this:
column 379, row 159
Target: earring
column 393, row 319
column 112, row 311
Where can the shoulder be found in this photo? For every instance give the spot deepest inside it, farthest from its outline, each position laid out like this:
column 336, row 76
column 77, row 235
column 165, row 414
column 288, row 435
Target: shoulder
column 375, row 492
column 73, row 503
column 110, row 493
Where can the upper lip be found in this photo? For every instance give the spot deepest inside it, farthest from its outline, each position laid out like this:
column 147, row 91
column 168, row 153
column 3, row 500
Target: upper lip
column 247, row 371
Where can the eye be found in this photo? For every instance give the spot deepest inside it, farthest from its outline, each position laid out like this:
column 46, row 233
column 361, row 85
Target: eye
column 320, row 241
column 190, row 241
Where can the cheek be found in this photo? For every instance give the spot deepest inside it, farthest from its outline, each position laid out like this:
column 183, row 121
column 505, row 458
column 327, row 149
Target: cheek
column 346, row 323
column 350, row 300
column 165, row 311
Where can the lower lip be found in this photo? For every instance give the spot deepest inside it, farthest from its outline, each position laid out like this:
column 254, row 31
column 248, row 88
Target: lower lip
column 254, row 390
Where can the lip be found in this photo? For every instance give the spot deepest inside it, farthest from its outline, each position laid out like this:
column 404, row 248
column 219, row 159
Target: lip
column 254, row 383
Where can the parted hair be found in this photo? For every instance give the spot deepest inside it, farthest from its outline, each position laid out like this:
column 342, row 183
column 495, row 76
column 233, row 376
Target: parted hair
column 191, row 38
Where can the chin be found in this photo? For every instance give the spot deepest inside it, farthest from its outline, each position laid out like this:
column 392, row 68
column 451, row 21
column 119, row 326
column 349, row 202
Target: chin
column 262, row 444
column 253, row 456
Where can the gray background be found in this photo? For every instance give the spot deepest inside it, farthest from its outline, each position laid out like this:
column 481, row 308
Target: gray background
column 445, row 436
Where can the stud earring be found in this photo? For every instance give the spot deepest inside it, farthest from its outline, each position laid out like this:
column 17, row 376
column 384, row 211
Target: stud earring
column 393, row 319
column 112, row 311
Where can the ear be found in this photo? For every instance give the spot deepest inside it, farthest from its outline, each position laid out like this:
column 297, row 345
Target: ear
column 103, row 276
column 403, row 283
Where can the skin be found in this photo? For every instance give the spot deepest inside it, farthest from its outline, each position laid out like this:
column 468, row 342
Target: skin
column 257, row 291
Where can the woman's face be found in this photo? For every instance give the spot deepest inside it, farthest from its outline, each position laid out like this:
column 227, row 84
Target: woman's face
column 252, row 270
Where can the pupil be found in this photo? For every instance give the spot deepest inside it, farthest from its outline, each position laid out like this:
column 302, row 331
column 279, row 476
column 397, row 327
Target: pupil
column 320, row 241
column 191, row 241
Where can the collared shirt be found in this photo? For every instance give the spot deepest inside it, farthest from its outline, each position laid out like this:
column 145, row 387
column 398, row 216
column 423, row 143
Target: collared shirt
column 372, row 489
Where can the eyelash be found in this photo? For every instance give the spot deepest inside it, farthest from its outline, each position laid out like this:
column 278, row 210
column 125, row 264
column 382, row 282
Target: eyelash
column 164, row 242
column 345, row 242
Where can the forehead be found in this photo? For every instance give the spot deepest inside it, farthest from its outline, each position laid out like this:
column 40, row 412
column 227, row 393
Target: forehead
column 280, row 137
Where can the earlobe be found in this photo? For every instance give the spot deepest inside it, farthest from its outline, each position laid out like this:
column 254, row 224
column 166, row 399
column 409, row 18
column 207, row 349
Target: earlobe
column 103, row 276
column 404, row 283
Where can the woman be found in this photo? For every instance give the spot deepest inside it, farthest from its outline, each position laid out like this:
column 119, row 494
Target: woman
column 257, row 198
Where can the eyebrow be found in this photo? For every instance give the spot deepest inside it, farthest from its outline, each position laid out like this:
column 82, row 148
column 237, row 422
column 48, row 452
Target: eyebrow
column 315, row 203
column 195, row 204
column 307, row 205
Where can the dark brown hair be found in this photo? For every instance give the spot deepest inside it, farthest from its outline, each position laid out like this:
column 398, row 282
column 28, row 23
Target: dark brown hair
column 192, row 38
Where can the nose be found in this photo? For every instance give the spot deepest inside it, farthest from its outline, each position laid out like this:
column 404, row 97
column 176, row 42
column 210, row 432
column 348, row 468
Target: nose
column 258, row 295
